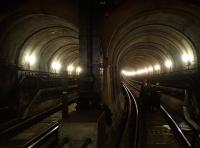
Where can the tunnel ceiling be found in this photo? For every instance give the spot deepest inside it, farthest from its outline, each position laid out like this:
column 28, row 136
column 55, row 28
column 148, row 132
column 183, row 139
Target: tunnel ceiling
column 36, row 41
column 155, row 37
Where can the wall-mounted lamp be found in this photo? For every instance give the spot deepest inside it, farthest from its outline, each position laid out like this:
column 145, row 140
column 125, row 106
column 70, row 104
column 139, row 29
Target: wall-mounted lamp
column 56, row 66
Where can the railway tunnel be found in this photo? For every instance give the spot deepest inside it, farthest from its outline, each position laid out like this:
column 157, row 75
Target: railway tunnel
column 89, row 59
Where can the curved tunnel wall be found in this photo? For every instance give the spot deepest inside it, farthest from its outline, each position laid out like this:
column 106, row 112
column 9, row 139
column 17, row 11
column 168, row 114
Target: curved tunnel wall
column 151, row 41
column 34, row 34
column 150, row 37
column 139, row 35
column 45, row 38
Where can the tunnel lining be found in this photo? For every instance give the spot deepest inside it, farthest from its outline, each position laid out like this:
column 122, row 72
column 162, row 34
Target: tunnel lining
column 38, row 36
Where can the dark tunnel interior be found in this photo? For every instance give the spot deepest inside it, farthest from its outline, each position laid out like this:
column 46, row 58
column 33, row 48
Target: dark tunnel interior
column 82, row 54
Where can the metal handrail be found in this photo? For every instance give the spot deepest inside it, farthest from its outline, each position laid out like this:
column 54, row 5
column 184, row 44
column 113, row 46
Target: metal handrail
column 35, row 98
column 23, row 123
column 39, row 139
column 44, row 73
column 131, row 99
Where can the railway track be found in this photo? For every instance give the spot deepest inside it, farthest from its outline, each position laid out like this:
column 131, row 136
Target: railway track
column 14, row 129
column 158, row 128
column 33, row 131
column 162, row 125
column 33, row 135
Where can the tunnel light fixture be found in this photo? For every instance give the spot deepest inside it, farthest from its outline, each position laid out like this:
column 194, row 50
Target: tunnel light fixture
column 187, row 58
column 78, row 70
column 168, row 64
column 70, row 69
column 150, row 69
column 146, row 70
column 30, row 59
column 56, row 66
column 157, row 67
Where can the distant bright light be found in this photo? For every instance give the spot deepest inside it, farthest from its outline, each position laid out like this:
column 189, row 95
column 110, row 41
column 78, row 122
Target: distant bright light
column 168, row 63
column 128, row 73
column 157, row 67
column 78, row 70
column 150, row 69
column 30, row 59
column 56, row 65
column 142, row 71
column 137, row 72
column 187, row 58
column 146, row 70
column 70, row 69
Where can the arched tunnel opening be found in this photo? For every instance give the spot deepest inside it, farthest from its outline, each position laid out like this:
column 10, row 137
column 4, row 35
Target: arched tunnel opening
column 87, row 57
column 32, row 44
column 36, row 46
column 151, row 45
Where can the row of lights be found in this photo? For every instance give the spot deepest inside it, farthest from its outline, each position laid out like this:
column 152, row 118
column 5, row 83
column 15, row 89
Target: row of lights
column 186, row 58
column 56, row 66
column 147, row 70
column 71, row 69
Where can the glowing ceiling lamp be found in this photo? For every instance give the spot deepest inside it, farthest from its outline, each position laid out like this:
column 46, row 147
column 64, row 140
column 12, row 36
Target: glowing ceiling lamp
column 30, row 59
column 157, row 67
column 56, row 65
column 187, row 58
column 70, row 69
column 150, row 69
column 168, row 64
column 78, row 70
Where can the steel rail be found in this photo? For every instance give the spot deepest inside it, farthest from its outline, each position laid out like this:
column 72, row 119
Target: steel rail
column 24, row 122
column 27, row 121
column 178, row 129
column 131, row 99
column 36, row 141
